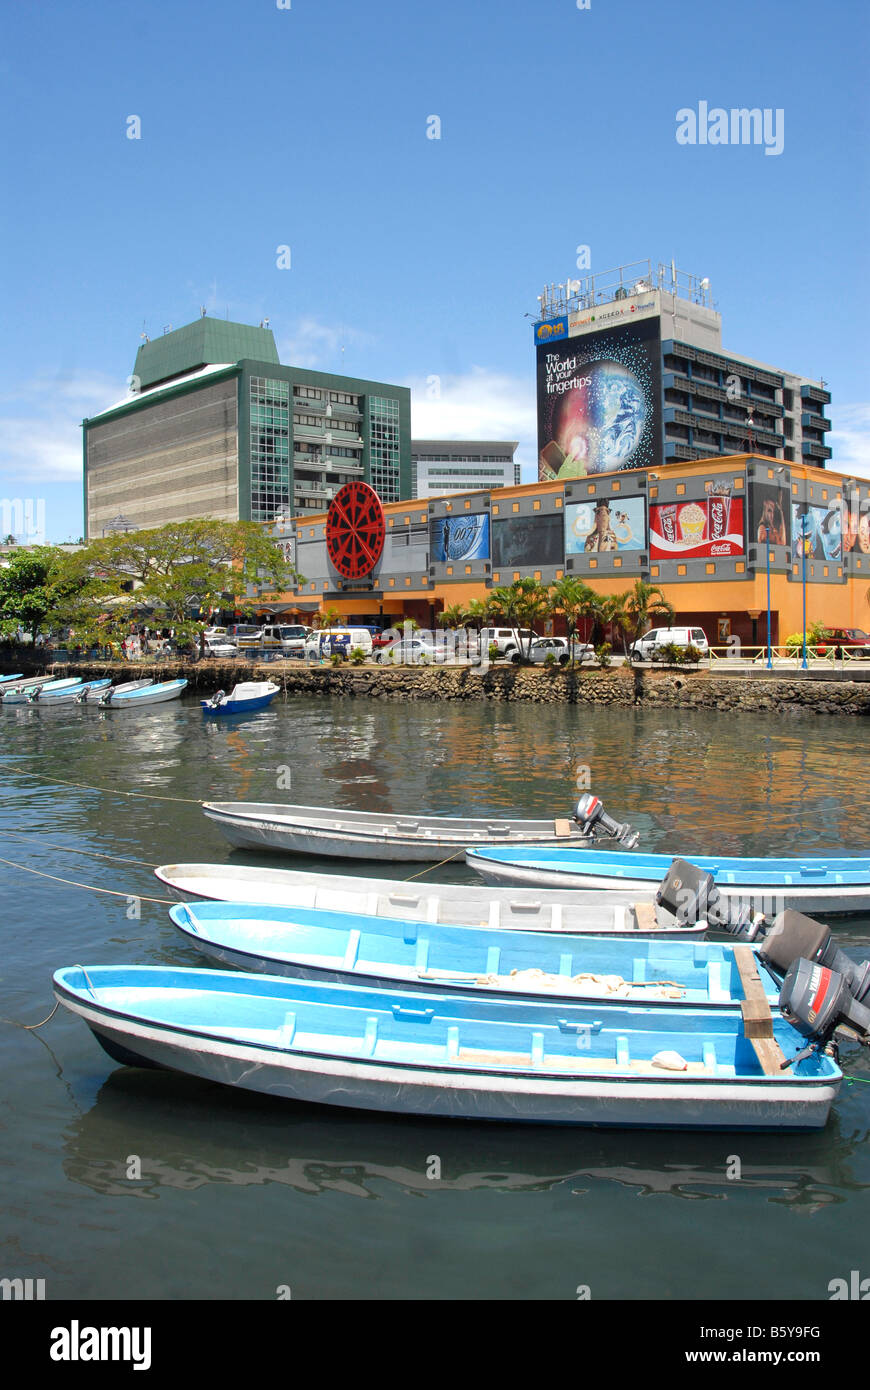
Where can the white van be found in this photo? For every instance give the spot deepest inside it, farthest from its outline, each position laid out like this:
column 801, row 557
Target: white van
column 647, row 646
column 342, row 640
column 507, row 639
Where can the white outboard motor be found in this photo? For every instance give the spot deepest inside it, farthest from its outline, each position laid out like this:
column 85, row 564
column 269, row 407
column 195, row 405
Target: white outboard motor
column 591, row 816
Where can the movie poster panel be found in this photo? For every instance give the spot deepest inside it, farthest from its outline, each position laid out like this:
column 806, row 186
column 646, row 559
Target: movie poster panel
column 528, row 542
column 599, row 402
column 770, row 514
column 697, row 530
column 455, row 538
column 856, row 526
column 819, row 530
column 599, row 524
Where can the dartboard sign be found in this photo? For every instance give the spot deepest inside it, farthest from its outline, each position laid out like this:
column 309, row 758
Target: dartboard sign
column 355, row 530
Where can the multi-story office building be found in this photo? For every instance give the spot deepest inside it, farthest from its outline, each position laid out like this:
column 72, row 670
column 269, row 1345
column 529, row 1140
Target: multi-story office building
column 217, row 427
column 632, row 374
column 439, row 466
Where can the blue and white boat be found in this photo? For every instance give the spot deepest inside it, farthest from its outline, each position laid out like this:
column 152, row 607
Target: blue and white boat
column 80, row 691
column 21, row 693
column 827, row 884
column 122, row 689
column 377, row 952
column 7, row 681
column 427, row 1053
column 153, row 694
column 244, row 698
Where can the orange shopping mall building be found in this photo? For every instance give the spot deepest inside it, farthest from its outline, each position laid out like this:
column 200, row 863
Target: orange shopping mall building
column 715, row 535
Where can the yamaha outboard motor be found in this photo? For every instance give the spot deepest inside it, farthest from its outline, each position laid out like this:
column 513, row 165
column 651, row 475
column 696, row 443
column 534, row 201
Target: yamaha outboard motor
column 590, row 815
column 816, row 999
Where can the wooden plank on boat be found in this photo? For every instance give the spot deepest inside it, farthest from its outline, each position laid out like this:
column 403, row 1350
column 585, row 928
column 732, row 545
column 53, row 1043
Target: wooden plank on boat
column 646, row 916
column 757, row 1018
column 562, row 828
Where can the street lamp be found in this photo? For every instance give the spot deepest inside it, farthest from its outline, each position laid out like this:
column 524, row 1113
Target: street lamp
column 778, row 474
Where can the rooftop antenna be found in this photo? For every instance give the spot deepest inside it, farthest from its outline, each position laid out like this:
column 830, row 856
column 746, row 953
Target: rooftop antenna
column 202, row 310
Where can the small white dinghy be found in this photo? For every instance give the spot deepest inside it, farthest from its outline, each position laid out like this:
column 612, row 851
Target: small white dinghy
column 449, row 904
column 151, row 694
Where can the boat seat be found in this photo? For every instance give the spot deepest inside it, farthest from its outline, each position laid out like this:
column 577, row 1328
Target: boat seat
column 562, row 829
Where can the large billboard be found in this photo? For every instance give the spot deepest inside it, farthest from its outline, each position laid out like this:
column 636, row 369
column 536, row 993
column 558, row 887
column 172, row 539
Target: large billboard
column 770, row 518
column 602, row 525
column 820, row 529
column 856, row 525
column 697, row 530
column 599, row 402
column 528, row 542
column 453, row 538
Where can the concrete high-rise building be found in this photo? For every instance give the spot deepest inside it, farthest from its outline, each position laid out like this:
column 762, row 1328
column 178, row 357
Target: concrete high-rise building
column 632, row 374
column 217, row 427
column 439, row 466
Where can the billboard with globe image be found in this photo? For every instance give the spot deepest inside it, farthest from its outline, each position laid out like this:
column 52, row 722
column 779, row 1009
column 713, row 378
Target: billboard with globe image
column 599, row 402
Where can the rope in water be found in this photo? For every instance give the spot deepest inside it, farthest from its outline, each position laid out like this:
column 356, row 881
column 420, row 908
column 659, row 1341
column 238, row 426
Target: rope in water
column 71, row 849
column 111, row 791
column 73, row 883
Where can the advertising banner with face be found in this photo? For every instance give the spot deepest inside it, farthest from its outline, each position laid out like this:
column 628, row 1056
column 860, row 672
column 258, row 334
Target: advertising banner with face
column 613, row 524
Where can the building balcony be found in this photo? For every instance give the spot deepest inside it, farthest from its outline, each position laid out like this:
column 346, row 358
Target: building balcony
column 817, row 394
column 815, row 422
column 815, row 451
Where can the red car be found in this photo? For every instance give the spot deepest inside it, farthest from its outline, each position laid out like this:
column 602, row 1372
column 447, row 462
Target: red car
column 846, row 639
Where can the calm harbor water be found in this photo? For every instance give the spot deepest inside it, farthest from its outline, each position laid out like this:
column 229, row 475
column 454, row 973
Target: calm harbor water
column 240, row 1195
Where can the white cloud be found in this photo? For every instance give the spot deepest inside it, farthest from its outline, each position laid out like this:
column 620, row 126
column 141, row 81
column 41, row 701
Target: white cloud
column 320, row 345
column 479, row 404
column 40, row 426
column 850, row 440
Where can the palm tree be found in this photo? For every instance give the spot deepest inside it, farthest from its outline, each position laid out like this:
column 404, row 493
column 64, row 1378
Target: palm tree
column 617, row 612
column 453, row 617
column 329, row 617
column 645, row 604
column 521, row 605
column 576, row 601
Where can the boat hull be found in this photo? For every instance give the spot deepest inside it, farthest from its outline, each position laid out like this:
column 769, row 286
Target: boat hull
column 360, row 835
column 153, row 695
column 285, row 1067
column 577, row 911
column 770, row 898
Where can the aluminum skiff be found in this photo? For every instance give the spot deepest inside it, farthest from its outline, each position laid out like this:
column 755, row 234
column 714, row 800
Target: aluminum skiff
column 574, row 910
column 372, row 835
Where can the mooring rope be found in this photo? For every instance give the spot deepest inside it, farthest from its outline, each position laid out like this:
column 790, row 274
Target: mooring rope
column 111, row 791
column 73, row 883
column 71, row 849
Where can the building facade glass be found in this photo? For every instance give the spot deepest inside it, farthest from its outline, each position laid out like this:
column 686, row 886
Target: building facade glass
column 384, row 452
column 270, row 448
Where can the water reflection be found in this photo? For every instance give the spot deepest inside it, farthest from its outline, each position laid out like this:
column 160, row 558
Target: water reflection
column 190, row 1135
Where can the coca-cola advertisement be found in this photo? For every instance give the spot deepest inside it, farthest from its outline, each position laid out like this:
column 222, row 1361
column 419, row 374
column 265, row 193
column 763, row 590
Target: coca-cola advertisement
column 703, row 529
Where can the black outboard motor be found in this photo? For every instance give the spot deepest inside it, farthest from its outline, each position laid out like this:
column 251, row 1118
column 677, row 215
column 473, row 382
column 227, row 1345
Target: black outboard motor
column 816, row 999
column 690, row 895
column 590, row 815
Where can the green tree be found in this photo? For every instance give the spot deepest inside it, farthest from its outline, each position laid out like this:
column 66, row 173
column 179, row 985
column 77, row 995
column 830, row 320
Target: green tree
column 34, row 585
column 576, row 601
column 645, row 605
column 178, row 570
column 521, row 605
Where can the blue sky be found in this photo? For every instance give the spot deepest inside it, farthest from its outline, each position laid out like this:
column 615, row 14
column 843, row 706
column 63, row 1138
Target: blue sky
column 410, row 257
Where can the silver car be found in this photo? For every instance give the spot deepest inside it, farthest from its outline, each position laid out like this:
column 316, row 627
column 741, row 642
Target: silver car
column 558, row 648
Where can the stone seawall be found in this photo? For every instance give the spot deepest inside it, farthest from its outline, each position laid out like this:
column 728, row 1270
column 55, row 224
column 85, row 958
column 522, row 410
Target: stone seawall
column 673, row 688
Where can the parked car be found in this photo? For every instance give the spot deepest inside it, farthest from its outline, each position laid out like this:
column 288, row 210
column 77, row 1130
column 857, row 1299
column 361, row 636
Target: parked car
column 558, row 648
column 853, row 640
column 507, row 639
column 647, row 646
column 215, row 644
column 245, row 635
column 418, row 650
